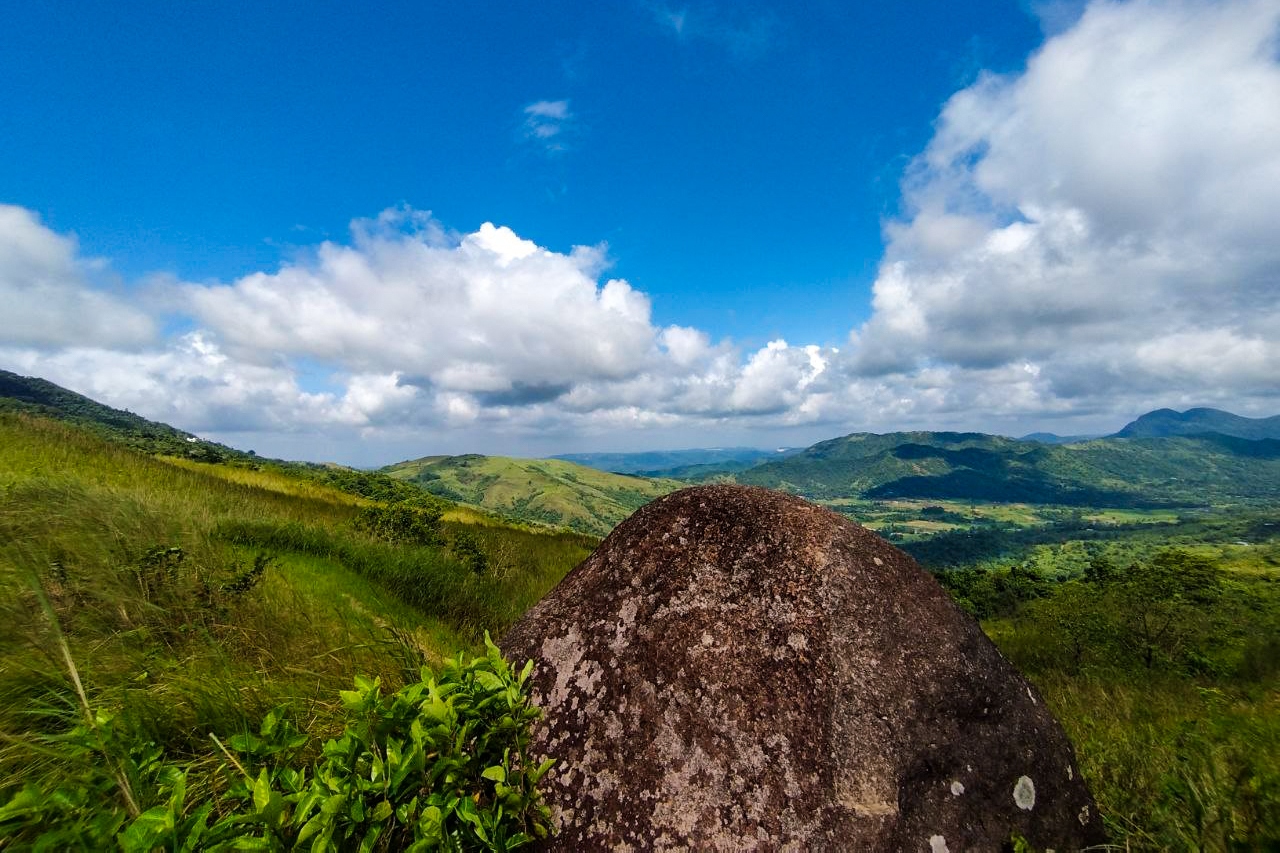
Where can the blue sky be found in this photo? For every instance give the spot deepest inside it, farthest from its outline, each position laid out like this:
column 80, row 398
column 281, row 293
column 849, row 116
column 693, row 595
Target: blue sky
column 738, row 159
column 265, row 222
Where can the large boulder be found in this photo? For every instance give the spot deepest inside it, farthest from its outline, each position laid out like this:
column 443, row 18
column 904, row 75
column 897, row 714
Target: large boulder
column 738, row 669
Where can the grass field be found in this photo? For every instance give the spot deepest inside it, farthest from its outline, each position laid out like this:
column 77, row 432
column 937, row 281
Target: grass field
column 191, row 599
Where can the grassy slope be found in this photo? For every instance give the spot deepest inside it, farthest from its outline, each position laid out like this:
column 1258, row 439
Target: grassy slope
column 547, row 491
column 33, row 396
column 167, row 647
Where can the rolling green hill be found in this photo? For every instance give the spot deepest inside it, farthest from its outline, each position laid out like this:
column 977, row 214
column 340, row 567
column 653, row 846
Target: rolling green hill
column 1166, row 422
column 35, row 396
column 546, row 491
column 1118, row 472
column 26, row 395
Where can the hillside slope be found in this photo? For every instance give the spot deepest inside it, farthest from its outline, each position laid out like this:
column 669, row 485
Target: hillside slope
column 1175, row 471
column 27, row 395
column 35, row 396
column 1166, row 422
column 547, row 491
column 171, row 600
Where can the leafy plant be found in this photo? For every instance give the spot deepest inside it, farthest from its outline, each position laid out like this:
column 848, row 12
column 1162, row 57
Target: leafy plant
column 467, row 549
column 440, row 764
column 399, row 523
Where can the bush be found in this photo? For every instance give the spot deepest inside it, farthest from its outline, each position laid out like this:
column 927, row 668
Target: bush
column 401, row 524
column 441, row 764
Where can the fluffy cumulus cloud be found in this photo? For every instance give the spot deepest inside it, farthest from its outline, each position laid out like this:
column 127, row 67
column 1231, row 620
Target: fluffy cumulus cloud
column 1106, row 217
column 53, row 297
column 1088, row 238
column 406, row 327
column 488, row 314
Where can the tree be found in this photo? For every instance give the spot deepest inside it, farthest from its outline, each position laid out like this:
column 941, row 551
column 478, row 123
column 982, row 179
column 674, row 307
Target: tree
column 1163, row 603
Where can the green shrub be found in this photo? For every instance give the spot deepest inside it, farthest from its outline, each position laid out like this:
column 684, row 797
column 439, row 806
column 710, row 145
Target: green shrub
column 399, row 523
column 440, row 764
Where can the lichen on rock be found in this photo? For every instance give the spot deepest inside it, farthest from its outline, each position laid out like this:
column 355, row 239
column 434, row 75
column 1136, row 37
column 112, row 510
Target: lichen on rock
column 737, row 669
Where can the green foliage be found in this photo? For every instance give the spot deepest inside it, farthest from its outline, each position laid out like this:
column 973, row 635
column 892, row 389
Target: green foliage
column 440, row 764
column 401, row 524
column 1175, row 764
column 1164, row 675
column 461, row 585
column 196, row 599
column 467, row 549
column 1173, row 612
column 373, row 485
column 1000, row 592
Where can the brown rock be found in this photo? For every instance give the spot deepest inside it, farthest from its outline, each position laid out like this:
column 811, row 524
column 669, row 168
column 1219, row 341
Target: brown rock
column 737, row 669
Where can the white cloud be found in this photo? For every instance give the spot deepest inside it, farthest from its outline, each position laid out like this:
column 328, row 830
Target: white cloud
column 48, row 295
column 491, row 313
column 417, row 329
column 547, row 123
column 1107, row 214
column 1087, row 239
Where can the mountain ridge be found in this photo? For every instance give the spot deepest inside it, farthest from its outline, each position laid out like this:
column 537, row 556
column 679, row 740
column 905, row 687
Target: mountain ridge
column 37, row 396
column 1162, row 423
column 660, row 463
column 1128, row 472
column 1132, row 468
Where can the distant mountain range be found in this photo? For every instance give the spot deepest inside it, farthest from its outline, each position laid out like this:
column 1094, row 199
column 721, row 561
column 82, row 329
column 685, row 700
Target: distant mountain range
column 1122, row 472
column 548, row 491
column 1164, row 458
column 1166, row 422
column 1053, row 438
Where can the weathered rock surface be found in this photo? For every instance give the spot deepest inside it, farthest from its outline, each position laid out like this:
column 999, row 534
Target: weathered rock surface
column 736, row 669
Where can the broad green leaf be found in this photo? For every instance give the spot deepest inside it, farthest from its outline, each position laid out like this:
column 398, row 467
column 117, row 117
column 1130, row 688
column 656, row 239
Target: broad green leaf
column 541, row 770
column 147, row 830
column 262, row 792
column 371, row 838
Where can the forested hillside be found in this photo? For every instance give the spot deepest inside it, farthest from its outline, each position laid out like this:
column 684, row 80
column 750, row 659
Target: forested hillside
column 1166, row 422
column 1145, row 472
column 190, row 627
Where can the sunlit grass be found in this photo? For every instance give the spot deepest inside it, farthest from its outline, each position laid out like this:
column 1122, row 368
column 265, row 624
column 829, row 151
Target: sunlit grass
column 167, row 644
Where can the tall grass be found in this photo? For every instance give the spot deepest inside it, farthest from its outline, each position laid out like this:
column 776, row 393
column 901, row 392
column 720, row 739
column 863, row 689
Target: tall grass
column 1175, row 765
column 1183, row 754
column 192, row 600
